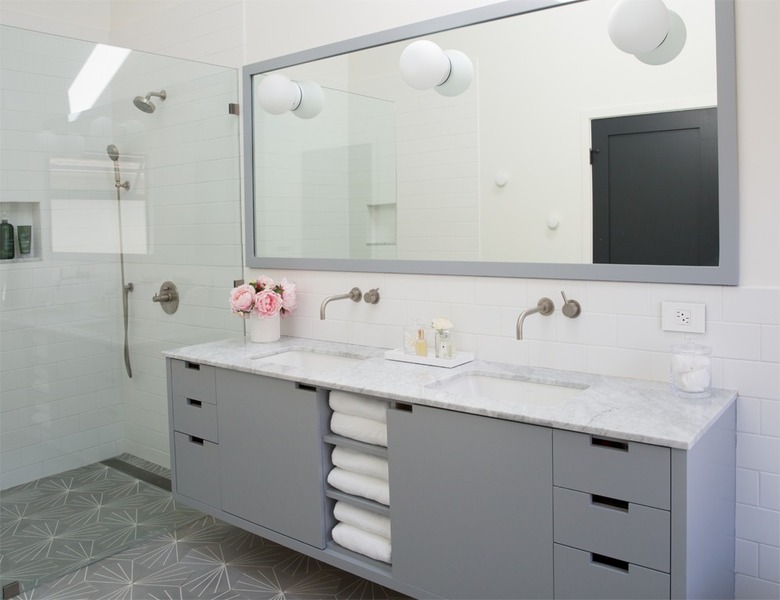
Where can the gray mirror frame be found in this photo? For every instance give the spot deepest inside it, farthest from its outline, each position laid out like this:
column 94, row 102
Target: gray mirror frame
column 726, row 273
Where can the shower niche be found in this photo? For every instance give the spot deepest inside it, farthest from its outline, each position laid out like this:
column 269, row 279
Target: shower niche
column 24, row 213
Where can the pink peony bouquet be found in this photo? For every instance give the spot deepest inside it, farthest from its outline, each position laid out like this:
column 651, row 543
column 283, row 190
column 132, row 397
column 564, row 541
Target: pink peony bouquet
column 264, row 297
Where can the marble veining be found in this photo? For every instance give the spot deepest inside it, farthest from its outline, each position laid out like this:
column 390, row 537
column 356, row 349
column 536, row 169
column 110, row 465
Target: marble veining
column 631, row 409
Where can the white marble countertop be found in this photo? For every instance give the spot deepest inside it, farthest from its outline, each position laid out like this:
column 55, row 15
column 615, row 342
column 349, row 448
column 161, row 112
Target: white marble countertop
column 631, row 409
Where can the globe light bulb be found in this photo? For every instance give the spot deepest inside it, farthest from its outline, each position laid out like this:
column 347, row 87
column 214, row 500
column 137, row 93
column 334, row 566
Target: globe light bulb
column 638, row 26
column 424, row 65
column 277, row 94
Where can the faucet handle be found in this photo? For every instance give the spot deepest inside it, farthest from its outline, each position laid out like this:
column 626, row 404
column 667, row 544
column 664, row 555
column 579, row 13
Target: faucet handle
column 571, row 308
column 371, row 296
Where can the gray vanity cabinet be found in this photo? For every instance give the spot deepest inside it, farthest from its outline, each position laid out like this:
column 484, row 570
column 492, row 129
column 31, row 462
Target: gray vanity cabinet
column 611, row 505
column 470, row 504
column 194, row 439
column 271, row 454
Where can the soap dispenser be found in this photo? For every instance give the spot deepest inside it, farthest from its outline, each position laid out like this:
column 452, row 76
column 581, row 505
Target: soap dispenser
column 6, row 240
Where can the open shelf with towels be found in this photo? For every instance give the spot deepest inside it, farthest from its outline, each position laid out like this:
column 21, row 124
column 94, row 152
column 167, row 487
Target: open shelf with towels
column 363, row 503
column 345, row 442
column 357, row 481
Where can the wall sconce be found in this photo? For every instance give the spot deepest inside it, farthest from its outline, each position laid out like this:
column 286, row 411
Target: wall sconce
column 647, row 29
column 424, row 65
column 277, row 94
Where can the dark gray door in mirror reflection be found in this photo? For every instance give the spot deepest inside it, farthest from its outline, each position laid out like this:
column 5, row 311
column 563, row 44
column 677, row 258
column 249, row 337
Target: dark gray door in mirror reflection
column 655, row 193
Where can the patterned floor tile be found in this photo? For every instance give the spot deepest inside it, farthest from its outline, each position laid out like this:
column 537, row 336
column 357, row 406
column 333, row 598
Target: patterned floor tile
column 63, row 522
column 158, row 549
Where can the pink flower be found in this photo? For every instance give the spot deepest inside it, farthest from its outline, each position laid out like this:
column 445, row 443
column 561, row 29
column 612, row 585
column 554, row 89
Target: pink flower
column 265, row 283
column 289, row 297
column 268, row 303
column 242, row 299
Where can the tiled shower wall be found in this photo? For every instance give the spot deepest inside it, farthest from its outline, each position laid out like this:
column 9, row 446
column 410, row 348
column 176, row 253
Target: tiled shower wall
column 59, row 361
column 66, row 400
column 619, row 331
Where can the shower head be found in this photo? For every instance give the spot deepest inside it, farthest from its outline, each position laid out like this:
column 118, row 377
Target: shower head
column 145, row 104
column 113, row 152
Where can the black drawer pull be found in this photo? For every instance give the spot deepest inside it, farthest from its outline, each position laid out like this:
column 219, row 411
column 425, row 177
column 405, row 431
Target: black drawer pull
column 606, row 443
column 191, row 365
column 607, row 561
column 403, row 406
column 609, row 502
column 195, row 403
column 196, row 440
column 304, row 387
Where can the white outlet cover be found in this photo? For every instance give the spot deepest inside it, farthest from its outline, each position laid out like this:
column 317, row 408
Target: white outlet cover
column 697, row 312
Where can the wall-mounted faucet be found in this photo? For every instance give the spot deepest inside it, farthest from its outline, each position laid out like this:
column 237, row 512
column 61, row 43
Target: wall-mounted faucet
column 570, row 308
column 371, row 296
column 354, row 294
column 545, row 307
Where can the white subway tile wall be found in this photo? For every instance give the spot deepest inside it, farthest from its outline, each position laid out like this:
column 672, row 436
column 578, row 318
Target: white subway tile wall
column 619, row 331
column 66, row 400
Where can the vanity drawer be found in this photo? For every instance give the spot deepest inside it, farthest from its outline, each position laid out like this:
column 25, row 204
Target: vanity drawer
column 584, row 575
column 629, row 471
column 195, row 417
column 193, row 380
column 197, row 469
column 631, row 532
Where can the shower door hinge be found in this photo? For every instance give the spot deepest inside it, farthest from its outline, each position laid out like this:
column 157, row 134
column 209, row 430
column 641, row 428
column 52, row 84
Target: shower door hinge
column 233, row 108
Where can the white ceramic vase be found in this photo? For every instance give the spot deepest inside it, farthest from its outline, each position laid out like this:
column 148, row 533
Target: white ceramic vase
column 264, row 329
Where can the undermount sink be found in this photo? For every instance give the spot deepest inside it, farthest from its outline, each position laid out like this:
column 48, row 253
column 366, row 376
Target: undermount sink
column 503, row 389
column 308, row 359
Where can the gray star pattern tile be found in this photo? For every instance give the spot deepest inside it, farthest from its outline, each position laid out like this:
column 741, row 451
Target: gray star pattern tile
column 58, row 524
column 54, row 531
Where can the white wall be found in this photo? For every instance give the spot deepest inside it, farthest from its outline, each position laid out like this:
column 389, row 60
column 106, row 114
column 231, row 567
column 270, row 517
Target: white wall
column 619, row 331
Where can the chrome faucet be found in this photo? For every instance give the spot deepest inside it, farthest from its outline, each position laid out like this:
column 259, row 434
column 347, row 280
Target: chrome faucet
column 354, row 294
column 545, row 307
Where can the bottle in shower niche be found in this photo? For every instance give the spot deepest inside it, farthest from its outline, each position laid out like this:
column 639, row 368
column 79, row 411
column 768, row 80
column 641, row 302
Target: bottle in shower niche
column 24, row 233
column 6, row 240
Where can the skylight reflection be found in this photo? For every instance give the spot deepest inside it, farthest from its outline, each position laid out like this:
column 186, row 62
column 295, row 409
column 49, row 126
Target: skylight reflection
column 94, row 77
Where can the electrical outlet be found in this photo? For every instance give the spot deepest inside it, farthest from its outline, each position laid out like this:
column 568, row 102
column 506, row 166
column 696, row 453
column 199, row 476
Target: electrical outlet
column 683, row 316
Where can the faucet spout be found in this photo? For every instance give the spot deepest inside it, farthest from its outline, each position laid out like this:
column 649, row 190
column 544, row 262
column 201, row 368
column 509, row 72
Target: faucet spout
column 354, row 294
column 545, row 307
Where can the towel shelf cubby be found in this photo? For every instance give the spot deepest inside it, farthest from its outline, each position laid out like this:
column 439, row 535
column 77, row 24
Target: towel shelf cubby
column 376, row 507
column 359, row 559
column 339, row 440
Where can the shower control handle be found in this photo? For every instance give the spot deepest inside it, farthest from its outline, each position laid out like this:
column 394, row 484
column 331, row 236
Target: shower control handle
column 168, row 297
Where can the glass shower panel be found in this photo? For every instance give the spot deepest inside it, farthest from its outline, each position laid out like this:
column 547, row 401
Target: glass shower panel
column 106, row 188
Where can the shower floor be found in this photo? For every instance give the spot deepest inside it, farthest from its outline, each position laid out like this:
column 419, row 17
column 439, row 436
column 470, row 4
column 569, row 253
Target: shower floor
column 57, row 524
column 48, row 528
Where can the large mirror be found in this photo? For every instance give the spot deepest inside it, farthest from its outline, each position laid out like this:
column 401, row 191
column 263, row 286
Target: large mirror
column 504, row 178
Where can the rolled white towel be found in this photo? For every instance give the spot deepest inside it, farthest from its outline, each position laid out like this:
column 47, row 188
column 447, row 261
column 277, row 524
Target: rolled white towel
column 358, row 405
column 360, row 517
column 360, row 462
column 360, row 541
column 364, row 486
column 359, row 428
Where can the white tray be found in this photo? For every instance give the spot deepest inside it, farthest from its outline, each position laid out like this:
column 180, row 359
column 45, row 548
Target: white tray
column 460, row 358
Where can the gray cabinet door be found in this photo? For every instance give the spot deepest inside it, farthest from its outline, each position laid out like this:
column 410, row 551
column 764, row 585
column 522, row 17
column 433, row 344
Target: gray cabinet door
column 470, row 504
column 270, row 452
